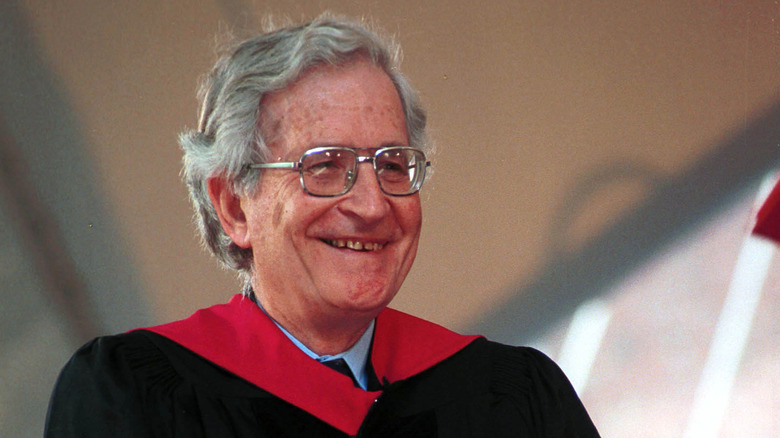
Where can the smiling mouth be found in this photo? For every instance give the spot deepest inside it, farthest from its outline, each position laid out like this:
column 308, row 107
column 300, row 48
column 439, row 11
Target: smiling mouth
column 355, row 245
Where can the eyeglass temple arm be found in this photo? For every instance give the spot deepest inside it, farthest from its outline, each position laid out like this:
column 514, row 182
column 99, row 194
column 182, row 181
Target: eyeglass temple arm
column 286, row 165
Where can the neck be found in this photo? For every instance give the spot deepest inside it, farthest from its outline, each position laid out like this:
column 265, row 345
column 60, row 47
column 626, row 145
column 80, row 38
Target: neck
column 321, row 332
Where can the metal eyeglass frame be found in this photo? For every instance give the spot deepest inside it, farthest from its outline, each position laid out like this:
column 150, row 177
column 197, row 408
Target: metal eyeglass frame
column 351, row 176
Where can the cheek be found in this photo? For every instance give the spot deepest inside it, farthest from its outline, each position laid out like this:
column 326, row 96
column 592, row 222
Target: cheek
column 410, row 215
column 278, row 215
column 297, row 216
column 274, row 200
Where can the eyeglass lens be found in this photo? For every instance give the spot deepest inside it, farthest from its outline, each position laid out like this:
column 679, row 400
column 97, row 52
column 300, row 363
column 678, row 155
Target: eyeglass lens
column 331, row 172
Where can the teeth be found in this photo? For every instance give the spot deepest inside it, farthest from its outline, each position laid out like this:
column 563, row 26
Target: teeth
column 355, row 245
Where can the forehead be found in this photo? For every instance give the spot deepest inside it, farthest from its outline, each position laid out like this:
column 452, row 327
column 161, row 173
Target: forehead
column 354, row 105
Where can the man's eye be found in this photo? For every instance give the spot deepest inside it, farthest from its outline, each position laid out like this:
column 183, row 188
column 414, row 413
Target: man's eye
column 319, row 167
column 324, row 164
column 326, row 168
column 391, row 166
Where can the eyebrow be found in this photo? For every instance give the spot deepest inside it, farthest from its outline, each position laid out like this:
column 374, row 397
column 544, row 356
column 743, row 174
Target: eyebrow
column 297, row 155
column 373, row 149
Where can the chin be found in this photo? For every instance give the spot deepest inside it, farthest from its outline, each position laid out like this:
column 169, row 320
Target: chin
column 368, row 299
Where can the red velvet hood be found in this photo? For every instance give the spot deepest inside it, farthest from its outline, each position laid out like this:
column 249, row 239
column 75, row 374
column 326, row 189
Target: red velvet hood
column 768, row 218
column 242, row 339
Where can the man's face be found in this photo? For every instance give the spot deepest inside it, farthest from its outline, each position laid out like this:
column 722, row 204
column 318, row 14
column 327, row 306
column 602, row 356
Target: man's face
column 299, row 273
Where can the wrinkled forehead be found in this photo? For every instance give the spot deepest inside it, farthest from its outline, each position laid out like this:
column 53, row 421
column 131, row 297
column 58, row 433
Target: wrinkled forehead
column 353, row 105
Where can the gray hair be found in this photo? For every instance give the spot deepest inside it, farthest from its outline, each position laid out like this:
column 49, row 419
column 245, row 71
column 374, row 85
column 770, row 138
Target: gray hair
column 228, row 136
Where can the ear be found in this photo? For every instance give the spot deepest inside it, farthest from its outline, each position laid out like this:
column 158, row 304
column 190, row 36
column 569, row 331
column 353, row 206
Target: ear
column 228, row 207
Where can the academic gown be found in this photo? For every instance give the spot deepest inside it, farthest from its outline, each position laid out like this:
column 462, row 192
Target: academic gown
column 228, row 371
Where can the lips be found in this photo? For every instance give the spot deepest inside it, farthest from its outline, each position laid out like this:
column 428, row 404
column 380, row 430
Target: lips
column 354, row 244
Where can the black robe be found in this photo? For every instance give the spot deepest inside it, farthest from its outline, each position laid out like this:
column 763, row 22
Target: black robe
column 228, row 371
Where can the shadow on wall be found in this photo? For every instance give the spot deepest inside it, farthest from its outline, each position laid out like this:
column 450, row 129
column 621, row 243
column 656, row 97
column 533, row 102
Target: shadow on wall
column 673, row 207
column 49, row 183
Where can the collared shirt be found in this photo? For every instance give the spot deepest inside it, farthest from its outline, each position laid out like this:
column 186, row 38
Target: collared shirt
column 356, row 357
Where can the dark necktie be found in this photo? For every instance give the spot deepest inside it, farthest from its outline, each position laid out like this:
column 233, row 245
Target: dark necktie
column 341, row 366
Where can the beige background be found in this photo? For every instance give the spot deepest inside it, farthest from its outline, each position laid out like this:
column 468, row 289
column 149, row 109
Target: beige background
column 581, row 147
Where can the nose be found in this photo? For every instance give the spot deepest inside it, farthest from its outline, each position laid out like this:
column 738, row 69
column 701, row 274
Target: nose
column 366, row 200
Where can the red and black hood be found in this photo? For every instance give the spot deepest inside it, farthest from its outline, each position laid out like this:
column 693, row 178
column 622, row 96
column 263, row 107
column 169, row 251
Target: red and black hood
column 242, row 339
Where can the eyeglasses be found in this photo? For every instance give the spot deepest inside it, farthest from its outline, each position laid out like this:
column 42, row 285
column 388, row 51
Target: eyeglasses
column 332, row 170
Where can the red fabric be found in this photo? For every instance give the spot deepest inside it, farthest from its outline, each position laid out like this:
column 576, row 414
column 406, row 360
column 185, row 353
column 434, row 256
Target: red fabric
column 239, row 337
column 768, row 218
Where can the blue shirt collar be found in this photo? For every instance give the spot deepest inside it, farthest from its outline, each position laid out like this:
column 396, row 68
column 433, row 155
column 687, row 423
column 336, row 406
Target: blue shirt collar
column 356, row 357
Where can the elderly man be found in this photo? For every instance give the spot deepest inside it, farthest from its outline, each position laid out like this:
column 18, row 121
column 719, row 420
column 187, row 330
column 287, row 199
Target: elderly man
column 305, row 172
